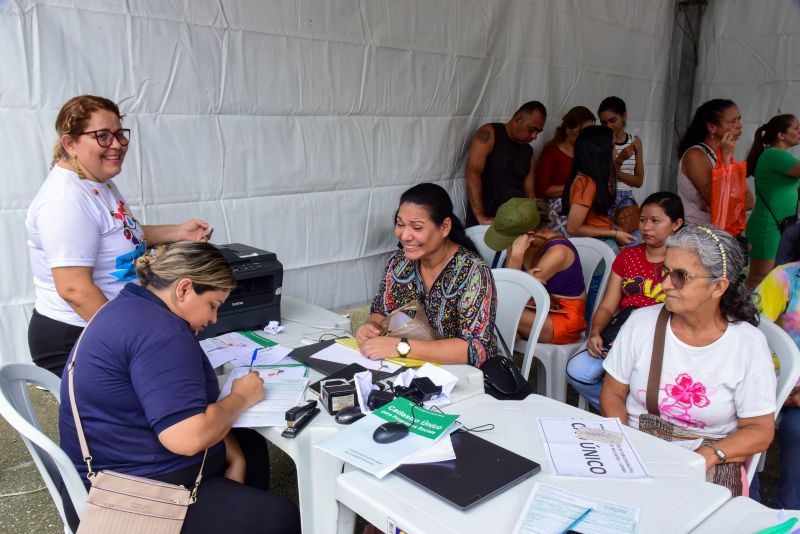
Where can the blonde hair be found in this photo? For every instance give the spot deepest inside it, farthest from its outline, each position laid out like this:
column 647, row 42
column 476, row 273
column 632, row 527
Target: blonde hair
column 202, row 263
column 74, row 115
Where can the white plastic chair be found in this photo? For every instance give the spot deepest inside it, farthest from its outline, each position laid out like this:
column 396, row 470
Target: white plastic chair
column 789, row 357
column 476, row 233
column 52, row 462
column 553, row 381
column 514, row 289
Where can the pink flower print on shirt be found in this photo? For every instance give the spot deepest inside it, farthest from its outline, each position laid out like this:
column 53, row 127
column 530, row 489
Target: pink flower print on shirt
column 681, row 396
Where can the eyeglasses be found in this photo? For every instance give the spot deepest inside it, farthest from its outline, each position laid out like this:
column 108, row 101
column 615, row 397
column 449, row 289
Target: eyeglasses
column 106, row 137
column 679, row 277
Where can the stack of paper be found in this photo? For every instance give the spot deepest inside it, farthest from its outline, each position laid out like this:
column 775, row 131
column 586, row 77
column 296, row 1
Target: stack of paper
column 239, row 346
column 280, row 394
column 339, row 353
column 354, row 444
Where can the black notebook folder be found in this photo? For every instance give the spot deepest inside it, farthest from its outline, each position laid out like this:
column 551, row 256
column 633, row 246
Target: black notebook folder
column 331, row 370
column 480, row 471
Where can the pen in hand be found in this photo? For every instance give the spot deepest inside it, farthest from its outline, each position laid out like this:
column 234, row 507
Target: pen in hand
column 253, row 359
column 577, row 521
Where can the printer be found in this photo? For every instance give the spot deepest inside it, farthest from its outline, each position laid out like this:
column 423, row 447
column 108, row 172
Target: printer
column 257, row 298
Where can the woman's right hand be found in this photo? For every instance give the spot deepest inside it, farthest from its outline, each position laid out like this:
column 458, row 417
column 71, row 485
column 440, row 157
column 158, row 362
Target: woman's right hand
column 594, row 345
column 250, row 387
column 727, row 147
column 623, row 238
column 367, row 331
column 520, row 246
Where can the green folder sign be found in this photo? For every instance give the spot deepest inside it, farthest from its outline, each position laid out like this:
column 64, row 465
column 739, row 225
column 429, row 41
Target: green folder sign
column 425, row 423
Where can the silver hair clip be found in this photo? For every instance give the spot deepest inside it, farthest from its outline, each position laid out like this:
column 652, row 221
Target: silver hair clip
column 721, row 249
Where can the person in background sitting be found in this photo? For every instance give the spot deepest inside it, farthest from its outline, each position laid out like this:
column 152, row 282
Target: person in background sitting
column 777, row 175
column 82, row 236
column 555, row 163
column 635, row 282
column 147, row 397
column 717, row 379
column 521, row 226
column 439, row 266
column 627, row 150
column 500, row 162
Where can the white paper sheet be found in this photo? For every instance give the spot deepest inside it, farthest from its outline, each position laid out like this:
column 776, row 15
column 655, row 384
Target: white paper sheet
column 573, row 456
column 551, row 510
column 264, row 356
column 341, row 354
column 280, row 394
column 438, row 376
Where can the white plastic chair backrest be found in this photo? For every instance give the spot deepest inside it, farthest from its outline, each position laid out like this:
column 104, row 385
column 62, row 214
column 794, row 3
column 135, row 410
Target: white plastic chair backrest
column 789, row 357
column 16, row 408
column 591, row 251
column 514, row 289
column 476, row 233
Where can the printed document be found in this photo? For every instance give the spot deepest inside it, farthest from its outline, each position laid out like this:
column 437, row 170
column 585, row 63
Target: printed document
column 354, row 443
column 239, row 346
column 596, row 448
column 340, row 354
column 280, row 394
column 551, row 510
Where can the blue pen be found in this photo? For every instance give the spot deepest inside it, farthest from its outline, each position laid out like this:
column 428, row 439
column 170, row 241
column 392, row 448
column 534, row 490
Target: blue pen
column 253, row 359
column 577, row 521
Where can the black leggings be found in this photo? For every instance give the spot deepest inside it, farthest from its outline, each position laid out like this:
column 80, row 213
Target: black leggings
column 227, row 506
column 51, row 341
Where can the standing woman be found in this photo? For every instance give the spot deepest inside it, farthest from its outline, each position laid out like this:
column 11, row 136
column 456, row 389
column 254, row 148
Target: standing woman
column 777, row 175
column 627, row 150
column 439, row 267
column 82, row 236
column 555, row 163
column 715, row 127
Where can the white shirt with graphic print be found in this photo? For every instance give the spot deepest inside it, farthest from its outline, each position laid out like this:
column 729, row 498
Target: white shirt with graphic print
column 79, row 223
column 704, row 389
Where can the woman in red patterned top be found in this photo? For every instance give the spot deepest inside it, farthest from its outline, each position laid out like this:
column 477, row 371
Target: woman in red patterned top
column 635, row 282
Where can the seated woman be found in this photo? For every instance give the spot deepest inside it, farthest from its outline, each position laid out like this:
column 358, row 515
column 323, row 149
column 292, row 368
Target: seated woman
column 635, row 282
column 522, row 226
column 438, row 266
column 717, row 380
column 146, row 396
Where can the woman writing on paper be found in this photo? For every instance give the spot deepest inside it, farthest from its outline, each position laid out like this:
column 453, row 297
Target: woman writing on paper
column 439, row 267
column 147, row 396
column 522, row 226
column 717, row 380
column 82, row 236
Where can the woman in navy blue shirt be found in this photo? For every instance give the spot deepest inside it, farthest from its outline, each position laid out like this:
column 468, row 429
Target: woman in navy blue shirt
column 147, row 396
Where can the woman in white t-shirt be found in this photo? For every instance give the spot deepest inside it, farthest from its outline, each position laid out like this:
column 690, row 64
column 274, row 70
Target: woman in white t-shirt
column 717, row 377
column 82, row 236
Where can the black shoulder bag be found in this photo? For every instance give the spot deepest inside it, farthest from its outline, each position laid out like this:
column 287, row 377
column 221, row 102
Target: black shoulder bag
column 783, row 224
column 501, row 378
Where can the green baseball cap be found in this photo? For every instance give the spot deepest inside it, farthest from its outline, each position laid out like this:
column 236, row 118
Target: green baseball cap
column 514, row 217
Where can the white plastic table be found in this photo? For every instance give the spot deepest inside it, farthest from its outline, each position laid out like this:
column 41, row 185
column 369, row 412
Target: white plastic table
column 316, row 470
column 743, row 514
column 675, row 499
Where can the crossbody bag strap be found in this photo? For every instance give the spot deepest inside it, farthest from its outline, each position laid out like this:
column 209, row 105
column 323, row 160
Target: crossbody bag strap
column 506, row 353
column 764, row 200
column 656, row 359
column 87, row 457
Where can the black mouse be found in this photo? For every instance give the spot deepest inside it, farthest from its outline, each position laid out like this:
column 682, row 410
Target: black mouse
column 390, row 432
column 349, row 415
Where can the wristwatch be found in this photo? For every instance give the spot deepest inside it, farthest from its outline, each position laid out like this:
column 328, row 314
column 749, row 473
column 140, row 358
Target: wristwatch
column 718, row 452
column 403, row 348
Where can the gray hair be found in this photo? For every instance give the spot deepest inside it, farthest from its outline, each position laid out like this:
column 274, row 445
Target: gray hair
column 721, row 257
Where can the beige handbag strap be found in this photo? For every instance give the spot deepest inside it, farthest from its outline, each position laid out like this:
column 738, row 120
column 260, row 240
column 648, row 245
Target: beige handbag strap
column 79, row 426
column 656, row 361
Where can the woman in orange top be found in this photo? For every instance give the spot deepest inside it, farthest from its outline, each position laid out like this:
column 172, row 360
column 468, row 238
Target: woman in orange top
column 590, row 188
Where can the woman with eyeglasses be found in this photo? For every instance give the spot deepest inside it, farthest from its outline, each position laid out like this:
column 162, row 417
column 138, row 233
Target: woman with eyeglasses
column 82, row 236
column 717, row 379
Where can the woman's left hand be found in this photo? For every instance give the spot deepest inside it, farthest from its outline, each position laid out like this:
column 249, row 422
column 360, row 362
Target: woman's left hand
column 380, row 347
column 193, row 230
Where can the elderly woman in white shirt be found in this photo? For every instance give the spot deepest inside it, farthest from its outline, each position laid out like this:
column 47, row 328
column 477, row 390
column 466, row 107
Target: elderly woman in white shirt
column 717, row 378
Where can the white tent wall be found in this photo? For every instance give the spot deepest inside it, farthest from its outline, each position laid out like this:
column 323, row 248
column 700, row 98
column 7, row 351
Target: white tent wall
column 295, row 125
column 750, row 53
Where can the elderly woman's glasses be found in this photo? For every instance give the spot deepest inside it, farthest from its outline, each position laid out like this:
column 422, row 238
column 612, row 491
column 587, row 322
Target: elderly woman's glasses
column 679, row 277
column 106, row 137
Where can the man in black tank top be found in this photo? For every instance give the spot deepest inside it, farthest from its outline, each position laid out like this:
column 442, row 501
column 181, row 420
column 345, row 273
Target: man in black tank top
column 500, row 162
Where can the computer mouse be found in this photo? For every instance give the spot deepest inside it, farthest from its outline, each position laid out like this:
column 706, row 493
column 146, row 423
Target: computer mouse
column 349, row 415
column 390, row 432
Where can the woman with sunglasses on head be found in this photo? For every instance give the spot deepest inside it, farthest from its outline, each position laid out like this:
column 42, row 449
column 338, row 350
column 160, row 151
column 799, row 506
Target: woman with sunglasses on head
column 83, row 238
column 717, row 379
column 635, row 282
column 777, row 175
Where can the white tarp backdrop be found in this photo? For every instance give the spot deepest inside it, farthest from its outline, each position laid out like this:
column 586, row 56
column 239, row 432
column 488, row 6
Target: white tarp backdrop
column 294, row 125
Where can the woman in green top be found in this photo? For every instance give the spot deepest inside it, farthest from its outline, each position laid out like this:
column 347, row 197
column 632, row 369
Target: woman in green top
column 777, row 175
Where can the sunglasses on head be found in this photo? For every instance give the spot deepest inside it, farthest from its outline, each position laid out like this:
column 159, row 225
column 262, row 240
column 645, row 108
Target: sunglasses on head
column 679, row 277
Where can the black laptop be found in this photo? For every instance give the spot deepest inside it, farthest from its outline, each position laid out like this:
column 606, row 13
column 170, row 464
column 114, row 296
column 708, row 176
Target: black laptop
column 480, row 471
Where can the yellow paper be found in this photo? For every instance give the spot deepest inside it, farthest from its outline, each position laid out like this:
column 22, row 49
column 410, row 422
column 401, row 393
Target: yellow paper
column 349, row 342
column 408, row 362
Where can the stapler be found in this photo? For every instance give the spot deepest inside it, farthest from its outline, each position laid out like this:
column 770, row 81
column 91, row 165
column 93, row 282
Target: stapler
column 298, row 417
